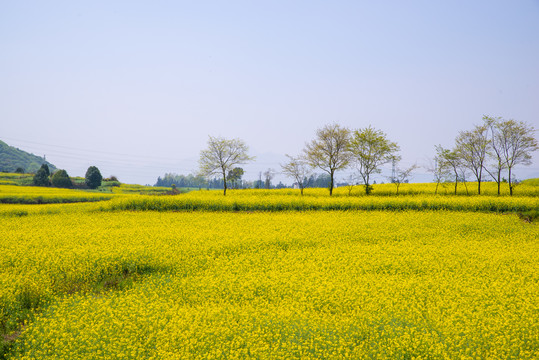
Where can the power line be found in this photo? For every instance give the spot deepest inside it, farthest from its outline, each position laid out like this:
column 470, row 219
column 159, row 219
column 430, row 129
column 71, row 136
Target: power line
column 91, row 151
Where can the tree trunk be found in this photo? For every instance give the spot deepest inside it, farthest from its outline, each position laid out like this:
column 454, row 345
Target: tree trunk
column 456, row 183
column 478, row 186
column 224, row 183
column 499, row 175
column 510, row 184
column 331, row 183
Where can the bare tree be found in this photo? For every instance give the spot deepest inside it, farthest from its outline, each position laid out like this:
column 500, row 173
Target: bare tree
column 329, row 151
column 402, row 176
column 472, row 147
column 268, row 175
column 371, row 149
column 463, row 176
column 298, row 169
column 221, row 156
column 439, row 171
column 450, row 163
column 517, row 144
column 495, row 149
column 350, row 183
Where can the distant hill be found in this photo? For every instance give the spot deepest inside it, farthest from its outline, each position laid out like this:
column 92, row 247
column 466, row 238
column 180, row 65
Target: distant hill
column 12, row 158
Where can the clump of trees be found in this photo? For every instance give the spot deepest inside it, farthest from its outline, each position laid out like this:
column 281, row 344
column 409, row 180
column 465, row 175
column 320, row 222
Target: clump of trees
column 61, row 179
column 234, row 177
column 489, row 149
column 181, row 180
column 336, row 148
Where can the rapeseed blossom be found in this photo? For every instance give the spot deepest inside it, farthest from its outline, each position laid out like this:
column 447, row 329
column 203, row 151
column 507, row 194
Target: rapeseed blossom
column 334, row 284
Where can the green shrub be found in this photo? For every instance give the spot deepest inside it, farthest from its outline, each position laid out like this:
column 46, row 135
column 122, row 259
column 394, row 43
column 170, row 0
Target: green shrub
column 61, row 179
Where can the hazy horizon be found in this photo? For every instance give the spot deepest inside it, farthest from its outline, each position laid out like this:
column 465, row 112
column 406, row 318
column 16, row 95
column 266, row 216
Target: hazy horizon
column 136, row 88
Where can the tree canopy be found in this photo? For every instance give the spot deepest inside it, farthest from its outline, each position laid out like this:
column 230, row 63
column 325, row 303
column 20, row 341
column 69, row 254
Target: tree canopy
column 371, row 149
column 93, row 177
column 221, row 156
column 329, row 151
column 61, row 179
column 41, row 178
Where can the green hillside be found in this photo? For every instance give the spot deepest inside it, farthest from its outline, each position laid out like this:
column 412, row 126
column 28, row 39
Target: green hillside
column 12, row 158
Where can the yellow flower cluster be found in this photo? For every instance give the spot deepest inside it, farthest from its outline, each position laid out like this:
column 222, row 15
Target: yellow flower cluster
column 525, row 188
column 316, row 199
column 269, row 285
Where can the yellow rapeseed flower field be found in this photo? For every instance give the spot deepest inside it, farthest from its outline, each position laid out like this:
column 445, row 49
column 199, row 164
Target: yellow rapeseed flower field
column 12, row 194
column 267, row 274
column 98, row 281
column 282, row 200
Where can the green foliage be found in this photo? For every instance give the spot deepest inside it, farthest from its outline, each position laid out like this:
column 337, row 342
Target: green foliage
column 181, row 181
column 93, row 177
column 45, row 168
column 234, row 177
column 12, row 158
column 61, row 179
column 42, row 176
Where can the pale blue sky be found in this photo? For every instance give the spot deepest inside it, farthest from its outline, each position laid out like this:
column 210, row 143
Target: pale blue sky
column 136, row 87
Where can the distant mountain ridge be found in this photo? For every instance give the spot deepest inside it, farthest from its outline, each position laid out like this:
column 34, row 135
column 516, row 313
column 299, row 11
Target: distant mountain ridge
column 12, row 158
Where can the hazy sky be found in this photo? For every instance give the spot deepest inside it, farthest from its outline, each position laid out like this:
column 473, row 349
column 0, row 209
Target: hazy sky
column 136, row 87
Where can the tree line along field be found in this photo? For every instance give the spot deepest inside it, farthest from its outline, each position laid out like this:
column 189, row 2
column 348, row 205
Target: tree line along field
column 270, row 274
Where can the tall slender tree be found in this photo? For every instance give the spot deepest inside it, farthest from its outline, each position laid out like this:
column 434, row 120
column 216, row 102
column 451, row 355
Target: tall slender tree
column 517, row 143
column 297, row 168
column 472, row 148
column 449, row 163
column 495, row 151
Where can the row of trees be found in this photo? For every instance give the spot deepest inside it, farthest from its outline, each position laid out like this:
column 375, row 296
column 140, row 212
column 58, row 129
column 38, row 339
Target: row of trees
column 491, row 148
column 235, row 181
column 61, row 179
column 181, row 181
column 334, row 148
column 488, row 150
